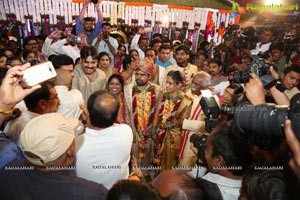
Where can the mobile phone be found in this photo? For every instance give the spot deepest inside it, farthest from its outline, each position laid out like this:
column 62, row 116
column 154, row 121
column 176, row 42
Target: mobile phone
column 38, row 74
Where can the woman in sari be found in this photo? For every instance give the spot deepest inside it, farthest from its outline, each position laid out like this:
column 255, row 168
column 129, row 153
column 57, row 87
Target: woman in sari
column 104, row 61
column 119, row 57
column 168, row 122
column 115, row 86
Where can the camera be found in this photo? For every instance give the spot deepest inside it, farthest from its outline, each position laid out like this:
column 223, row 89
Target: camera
column 263, row 124
column 94, row 1
column 258, row 66
column 105, row 35
column 199, row 141
column 211, row 111
column 246, row 39
column 75, row 39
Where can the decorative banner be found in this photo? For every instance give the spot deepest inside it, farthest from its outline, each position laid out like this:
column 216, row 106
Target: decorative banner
column 181, row 7
column 48, row 14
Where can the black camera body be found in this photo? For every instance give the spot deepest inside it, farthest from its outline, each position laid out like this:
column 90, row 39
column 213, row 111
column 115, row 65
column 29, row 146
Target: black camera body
column 264, row 124
column 211, row 111
column 105, row 35
column 199, row 141
column 258, row 66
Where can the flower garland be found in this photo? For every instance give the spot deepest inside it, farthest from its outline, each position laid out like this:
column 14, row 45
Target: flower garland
column 168, row 108
column 143, row 114
column 167, row 111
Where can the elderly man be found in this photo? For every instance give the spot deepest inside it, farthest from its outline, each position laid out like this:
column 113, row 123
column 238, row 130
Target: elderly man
column 103, row 151
column 48, row 144
column 141, row 100
column 196, row 121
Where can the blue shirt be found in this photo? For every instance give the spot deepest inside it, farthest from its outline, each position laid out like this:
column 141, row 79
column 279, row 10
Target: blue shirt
column 163, row 64
column 8, row 151
column 104, row 47
column 92, row 35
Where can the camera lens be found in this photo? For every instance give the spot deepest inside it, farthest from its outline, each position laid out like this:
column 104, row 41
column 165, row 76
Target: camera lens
column 241, row 76
column 263, row 123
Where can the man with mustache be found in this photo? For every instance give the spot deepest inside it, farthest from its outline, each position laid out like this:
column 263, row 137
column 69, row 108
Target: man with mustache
column 141, row 101
column 87, row 77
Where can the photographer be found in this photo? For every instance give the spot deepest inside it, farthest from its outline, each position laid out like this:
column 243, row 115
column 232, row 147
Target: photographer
column 87, row 25
column 104, row 42
column 278, row 57
column 265, row 40
column 227, row 157
column 254, row 92
column 70, row 45
column 290, row 79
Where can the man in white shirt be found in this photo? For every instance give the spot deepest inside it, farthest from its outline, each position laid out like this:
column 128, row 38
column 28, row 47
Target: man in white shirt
column 267, row 36
column 140, row 43
column 104, row 42
column 227, row 157
column 103, row 151
column 43, row 100
column 70, row 46
column 70, row 99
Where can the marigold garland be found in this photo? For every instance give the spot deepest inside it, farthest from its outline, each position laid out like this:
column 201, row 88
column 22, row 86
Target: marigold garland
column 167, row 111
column 143, row 114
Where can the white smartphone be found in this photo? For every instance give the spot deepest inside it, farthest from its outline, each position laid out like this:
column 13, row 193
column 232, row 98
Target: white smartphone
column 38, row 73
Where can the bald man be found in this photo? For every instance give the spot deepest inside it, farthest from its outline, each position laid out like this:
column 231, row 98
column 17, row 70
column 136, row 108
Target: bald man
column 103, row 151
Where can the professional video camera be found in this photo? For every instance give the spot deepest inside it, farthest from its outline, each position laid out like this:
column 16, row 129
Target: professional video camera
column 258, row 66
column 262, row 124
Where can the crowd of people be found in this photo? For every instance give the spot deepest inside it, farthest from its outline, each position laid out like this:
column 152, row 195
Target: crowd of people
column 125, row 119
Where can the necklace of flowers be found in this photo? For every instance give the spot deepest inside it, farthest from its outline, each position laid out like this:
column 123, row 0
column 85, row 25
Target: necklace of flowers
column 168, row 108
column 167, row 111
column 143, row 114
